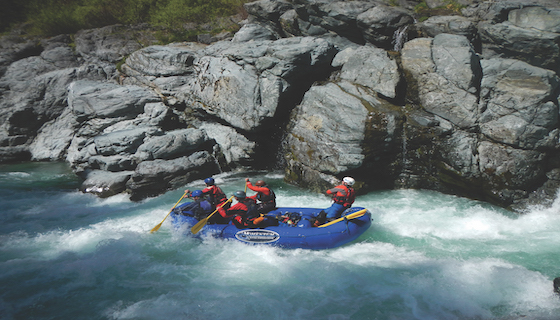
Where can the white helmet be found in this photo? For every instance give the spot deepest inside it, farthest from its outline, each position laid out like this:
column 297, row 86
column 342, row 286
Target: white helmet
column 349, row 181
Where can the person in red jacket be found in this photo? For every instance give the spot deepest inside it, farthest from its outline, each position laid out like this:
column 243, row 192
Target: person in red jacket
column 243, row 214
column 343, row 197
column 264, row 195
column 215, row 194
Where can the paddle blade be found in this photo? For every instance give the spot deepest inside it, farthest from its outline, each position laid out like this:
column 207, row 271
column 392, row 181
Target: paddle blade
column 156, row 228
column 354, row 215
column 199, row 225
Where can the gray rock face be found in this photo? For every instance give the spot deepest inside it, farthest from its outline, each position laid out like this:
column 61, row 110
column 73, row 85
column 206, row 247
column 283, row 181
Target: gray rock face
column 446, row 73
column 241, row 83
column 369, row 67
column 112, row 43
column 106, row 100
column 529, row 34
column 151, row 177
column 325, row 136
column 380, row 23
column 520, row 104
column 460, row 104
column 449, row 24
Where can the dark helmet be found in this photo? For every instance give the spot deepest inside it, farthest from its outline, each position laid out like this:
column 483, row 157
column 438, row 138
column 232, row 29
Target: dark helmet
column 240, row 194
column 197, row 193
column 209, row 181
column 260, row 183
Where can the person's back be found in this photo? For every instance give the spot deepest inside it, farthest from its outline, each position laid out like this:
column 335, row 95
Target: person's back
column 343, row 197
column 216, row 196
column 265, row 196
column 199, row 208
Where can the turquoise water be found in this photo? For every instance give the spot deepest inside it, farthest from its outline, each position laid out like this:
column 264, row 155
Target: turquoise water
column 68, row 255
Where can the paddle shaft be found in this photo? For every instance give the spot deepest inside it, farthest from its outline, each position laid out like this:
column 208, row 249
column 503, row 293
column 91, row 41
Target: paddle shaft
column 198, row 226
column 156, row 228
column 354, row 215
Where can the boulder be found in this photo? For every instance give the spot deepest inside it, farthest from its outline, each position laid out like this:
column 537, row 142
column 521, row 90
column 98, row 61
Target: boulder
column 151, row 178
column 237, row 149
column 336, row 129
column 380, row 23
column 113, row 43
column 14, row 48
column 162, row 61
column 520, row 104
column 254, row 31
column 458, row 25
column 328, row 128
column 172, row 144
column 509, row 172
column 444, row 76
column 119, row 142
column 54, row 138
column 105, row 184
column 243, row 83
column 91, row 99
column 370, row 67
column 529, row 34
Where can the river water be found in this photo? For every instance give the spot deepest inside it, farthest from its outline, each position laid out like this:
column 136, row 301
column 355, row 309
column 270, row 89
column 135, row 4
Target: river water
column 68, row 255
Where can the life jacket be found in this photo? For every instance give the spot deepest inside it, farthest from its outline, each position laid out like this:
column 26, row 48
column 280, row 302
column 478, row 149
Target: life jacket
column 270, row 198
column 216, row 194
column 198, row 209
column 345, row 199
column 248, row 218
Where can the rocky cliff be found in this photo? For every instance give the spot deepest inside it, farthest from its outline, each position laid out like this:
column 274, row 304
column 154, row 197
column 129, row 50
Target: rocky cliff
column 464, row 103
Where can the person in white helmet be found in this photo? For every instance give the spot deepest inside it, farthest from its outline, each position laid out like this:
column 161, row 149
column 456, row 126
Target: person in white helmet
column 343, row 196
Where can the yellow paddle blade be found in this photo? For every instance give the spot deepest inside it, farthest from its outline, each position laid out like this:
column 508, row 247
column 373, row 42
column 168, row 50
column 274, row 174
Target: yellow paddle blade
column 156, row 228
column 199, row 225
column 354, row 215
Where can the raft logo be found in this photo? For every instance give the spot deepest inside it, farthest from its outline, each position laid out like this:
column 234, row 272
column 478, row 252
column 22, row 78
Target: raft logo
column 257, row 236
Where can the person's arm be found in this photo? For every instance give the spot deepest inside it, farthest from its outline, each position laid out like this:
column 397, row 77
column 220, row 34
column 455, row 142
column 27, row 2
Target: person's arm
column 250, row 185
column 263, row 190
column 237, row 208
column 335, row 190
column 222, row 212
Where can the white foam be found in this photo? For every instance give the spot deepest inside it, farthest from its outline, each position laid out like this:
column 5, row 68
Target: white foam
column 426, row 256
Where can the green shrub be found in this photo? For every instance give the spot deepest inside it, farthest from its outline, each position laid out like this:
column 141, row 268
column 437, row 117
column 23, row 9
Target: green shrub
column 51, row 17
column 12, row 12
column 175, row 12
column 451, row 7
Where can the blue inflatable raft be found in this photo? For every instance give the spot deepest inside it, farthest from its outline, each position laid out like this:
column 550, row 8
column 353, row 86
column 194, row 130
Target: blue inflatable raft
column 290, row 228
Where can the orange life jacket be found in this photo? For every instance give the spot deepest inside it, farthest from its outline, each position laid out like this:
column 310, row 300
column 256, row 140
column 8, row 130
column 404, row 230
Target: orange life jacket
column 346, row 197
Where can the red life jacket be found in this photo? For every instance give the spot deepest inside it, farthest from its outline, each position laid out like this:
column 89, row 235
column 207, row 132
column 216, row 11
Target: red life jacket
column 267, row 198
column 246, row 213
column 345, row 198
column 217, row 196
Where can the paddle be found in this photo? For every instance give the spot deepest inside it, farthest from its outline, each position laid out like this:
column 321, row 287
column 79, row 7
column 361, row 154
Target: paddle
column 196, row 228
column 354, row 215
column 156, row 228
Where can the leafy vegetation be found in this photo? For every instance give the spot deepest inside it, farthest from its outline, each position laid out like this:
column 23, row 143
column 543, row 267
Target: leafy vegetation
column 450, row 7
column 51, row 17
column 11, row 12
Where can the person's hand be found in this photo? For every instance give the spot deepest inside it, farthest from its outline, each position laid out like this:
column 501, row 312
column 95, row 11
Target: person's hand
column 246, row 179
column 187, row 191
